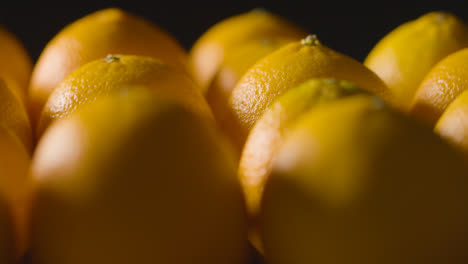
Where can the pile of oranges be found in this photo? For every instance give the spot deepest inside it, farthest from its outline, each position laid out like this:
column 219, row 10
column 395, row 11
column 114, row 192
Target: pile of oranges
column 117, row 146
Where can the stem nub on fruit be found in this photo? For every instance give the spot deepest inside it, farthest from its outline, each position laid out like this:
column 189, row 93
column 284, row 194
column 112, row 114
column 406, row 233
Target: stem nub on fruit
column 111, row 58
column 310, row 40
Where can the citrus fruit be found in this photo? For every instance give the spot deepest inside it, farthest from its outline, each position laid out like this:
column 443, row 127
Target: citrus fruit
column 120, row 73
column 13, row 116
column 286, row 68
column 235, row 64
column 108, row 31
column 404, row 56
column 134, row 179
column 209, row 51
column 440, row 87
column 453, row 124
column 267, row 134
column 355, row 182
column 16, row 64
column 7, row 248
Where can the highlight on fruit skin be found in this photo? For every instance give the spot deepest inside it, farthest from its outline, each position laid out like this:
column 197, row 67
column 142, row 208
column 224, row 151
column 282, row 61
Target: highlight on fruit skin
column 405, row 55
column 453, row 124
column 209, row 51
column 16, row 64
column 107, row 31
column 268, row 132
column 446, row 80
column 355, row 182
column 120, row 73
column 286, row 68
column 136, row 179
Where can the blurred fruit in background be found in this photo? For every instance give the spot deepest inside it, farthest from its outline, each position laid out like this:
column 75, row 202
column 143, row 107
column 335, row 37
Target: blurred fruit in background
column 16, row 65
column 108, row 31
column 355, row 182
column 120, row 74
column 453, row 125
column 404, row 56
column 13, row 116
column 133, row 179
column 15, row 149
column 286, row 68
column 210, row 50
column 447, row 80
column 267, row 135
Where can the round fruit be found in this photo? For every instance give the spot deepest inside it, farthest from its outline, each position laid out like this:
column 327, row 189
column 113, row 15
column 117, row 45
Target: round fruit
column 235, row 64
column 285, row 69
column 405, row 55
column 447, row 80
column 14, row 117
column 120, row 74
column 14, row 187
column 453, row 125
column 208, row 53
column 267, row 135
column 109, row 31
column 16, row 64
column 133, row 179
column 7, row 249
column 355, row 182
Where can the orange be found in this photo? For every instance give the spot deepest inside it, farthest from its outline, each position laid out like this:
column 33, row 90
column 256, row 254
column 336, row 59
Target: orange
column 120, row 74
column 267, row 135
column 14, row 186
column 355, row 182
column 16, row 64
column 404, row 56
column 109, row 31
column 14, row 117
column 235, row 64
column 133, row 179
column 453, row 124
column 209, row 51
column 441, row 86
column 285, row 69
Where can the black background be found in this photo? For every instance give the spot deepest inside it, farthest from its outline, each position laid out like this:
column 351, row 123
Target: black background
column 351, row 27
